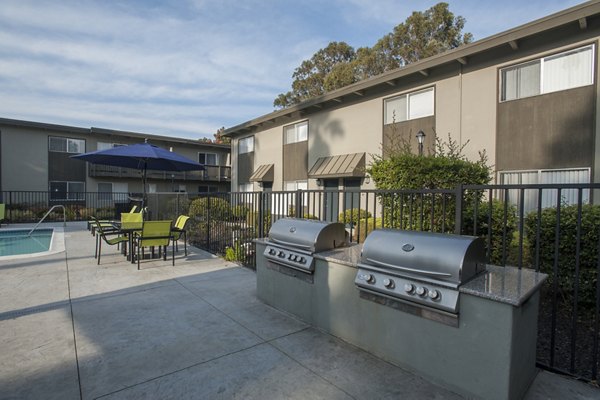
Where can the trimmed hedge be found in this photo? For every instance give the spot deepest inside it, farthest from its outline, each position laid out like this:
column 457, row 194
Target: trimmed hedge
column 588, row 253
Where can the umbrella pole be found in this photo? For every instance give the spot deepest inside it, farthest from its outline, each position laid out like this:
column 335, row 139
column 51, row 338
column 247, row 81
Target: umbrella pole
column 144, row 188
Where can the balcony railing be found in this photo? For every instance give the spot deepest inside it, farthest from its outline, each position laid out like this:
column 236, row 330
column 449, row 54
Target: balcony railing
column 211, row 173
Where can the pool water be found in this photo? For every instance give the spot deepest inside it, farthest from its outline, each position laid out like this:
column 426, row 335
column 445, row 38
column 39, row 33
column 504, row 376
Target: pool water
column 16, row 242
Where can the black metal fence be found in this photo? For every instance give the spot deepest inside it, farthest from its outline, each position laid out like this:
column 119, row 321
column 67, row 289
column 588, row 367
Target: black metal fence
column 554, row 229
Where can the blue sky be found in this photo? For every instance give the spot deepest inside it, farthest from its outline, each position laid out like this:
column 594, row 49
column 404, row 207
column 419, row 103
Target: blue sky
column 187, row 67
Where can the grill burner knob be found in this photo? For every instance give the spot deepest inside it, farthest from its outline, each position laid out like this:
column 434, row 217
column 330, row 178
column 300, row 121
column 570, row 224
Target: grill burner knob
column 409, row 288
column 292, row 257
column 281, row 254
column 272, row 252
column 369, row 278
column 302, row 260
column 434, row 294
column 388, row 283
column 421, row 291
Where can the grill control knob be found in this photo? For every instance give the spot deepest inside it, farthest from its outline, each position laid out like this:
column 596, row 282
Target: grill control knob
column 292, row 257
column 421, row 291
column 409, row 288
column 302, row 260
column 388, row 283
column 369, row 278
column 272, row 252
column 281, row 254
column 434, row 294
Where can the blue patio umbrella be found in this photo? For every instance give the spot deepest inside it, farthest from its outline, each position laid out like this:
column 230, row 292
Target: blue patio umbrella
column 142, row 156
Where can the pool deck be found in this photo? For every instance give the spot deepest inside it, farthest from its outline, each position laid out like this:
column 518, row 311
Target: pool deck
column 70, row 329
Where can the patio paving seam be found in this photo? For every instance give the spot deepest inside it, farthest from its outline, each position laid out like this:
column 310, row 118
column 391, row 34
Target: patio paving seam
column 73, row 323
column 99, row 296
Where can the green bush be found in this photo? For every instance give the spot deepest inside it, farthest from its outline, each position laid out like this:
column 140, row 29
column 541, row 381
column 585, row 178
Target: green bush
column 499, row 225
column 292, row 213
column 240, row 211
column 588, row 252
column 220, row 209
column 252, row 220
column 365, row 226
column 235, row 253
column 353, row 215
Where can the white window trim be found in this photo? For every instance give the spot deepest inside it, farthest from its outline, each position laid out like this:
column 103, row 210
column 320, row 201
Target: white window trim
column 541, row 60
column 295, row 126
column 205, row 154
column 239, row 144
column 541, row 171
column 407, row 95
column 66, row 139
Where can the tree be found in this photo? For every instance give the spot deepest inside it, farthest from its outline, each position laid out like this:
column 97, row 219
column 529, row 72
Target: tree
column 309, row 77
column 422, row 35
column 219, row 138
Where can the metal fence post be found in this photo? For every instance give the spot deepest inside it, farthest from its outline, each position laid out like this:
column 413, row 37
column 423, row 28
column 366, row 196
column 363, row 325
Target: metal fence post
column 261, row 214
column 458, row 210
column 208, row 222
column 299, row 203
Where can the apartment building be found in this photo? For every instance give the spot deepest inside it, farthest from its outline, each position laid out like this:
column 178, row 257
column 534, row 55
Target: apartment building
column 527, row 96
column 36, row 157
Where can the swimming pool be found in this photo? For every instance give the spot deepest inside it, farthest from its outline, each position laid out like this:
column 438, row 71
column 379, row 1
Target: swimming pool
column 17, row 242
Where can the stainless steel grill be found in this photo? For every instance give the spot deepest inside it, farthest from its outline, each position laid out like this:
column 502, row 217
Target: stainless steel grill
column 422, row 268
column 293, row 241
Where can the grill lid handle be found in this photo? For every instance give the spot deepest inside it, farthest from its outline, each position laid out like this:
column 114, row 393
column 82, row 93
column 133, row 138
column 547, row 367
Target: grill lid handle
column 283, row 242
column 419, row 271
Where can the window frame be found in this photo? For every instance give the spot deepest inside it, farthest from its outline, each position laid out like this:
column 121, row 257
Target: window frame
column 295, row 126
column 541, row 61
column 66, row 143
column 68, row 184
column 407, row 96
column 243, row 140
column 216, row 155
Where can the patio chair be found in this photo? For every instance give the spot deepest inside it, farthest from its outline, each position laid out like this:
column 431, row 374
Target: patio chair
column 2, row 212
column 131, row 221
column 105, row 222
column 102, row 235
column 178, row 230
column 154, row 233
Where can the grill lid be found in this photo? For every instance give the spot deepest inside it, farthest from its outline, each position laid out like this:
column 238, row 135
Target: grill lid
column 308, row 234
column 428, row 256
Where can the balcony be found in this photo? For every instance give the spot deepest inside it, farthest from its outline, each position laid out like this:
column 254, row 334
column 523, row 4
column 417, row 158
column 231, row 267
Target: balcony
column 212, row 173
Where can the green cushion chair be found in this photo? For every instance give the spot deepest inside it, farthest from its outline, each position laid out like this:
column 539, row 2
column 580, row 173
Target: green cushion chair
column 153, row 234
column 106, row 223
column 103, row 235
column 2, row 212
column 178, row 230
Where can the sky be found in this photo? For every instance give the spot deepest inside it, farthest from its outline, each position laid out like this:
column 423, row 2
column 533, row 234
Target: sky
column 185, row 68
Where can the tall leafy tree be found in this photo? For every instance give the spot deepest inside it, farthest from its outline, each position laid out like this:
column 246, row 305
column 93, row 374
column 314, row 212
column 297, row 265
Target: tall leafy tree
column 422, row 35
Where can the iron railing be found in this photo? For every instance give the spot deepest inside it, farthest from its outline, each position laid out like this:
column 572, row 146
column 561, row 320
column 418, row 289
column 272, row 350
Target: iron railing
column 554, row 229
column 213, row 173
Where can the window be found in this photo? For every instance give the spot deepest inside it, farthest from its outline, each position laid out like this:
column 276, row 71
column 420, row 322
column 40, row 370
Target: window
column 547, row 176
column 409, row 106
column 208, row 158
column 106, row 145
column 246, row 145
column 246, row 187
column 571, row 69
column 105, row 191
column 66, row 145
column 296, row 185
column 295, row 133
column 207, row 189
column 67, row 190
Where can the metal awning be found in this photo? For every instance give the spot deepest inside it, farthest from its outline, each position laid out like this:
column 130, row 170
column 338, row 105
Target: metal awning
column 264, row 173
column 345, row 165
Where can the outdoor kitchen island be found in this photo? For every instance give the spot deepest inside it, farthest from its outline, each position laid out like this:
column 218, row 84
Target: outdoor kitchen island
column 487, row 350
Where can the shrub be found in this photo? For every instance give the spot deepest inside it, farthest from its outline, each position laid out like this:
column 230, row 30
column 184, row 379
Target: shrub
column 235, row 253
column 220, row 209
column 240, row 211
column 588, row 252
column 365, row 226
column 352, row 216
column 292, row 213
column 252, row 220
column 498, row 227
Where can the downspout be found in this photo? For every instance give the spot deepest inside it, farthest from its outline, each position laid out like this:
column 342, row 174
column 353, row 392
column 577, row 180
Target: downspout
column 460, row 102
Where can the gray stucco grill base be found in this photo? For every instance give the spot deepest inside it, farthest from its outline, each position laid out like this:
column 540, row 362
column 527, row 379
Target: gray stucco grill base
column 490, row 353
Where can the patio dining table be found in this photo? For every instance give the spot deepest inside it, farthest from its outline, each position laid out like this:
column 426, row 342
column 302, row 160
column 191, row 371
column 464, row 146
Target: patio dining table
column 129, row 232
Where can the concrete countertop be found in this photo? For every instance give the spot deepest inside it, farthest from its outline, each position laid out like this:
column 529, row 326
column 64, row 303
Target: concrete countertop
column 503, row 284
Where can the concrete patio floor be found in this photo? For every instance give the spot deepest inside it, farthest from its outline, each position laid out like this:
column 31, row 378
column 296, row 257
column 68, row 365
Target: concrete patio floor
column 70, row 329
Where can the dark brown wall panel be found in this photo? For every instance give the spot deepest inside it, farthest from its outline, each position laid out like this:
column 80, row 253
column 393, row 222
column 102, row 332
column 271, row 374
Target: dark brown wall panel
column 395, row 134
column 295, row 161
column 555, row 130
column 63, row 168
column 245, row 167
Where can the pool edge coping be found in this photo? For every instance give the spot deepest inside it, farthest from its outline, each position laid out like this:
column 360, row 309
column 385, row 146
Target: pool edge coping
column 57, row 245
